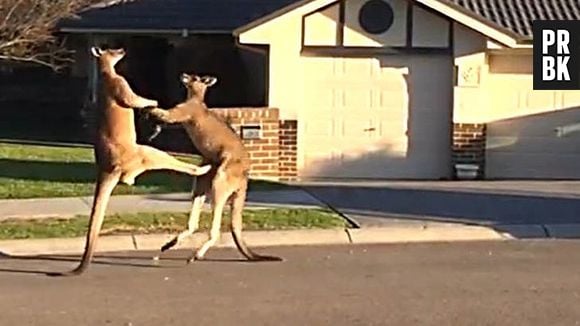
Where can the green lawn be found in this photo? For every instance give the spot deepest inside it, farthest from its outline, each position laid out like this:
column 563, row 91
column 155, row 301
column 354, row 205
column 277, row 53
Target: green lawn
column 143, row 223
column 33, row 171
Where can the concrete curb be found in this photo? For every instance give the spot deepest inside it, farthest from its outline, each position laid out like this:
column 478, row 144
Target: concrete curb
column 423, row 234
column 372, row 235
column 155, row 241
column 254, row 238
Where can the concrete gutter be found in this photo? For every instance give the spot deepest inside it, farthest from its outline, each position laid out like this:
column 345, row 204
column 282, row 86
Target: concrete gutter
column 375, row 235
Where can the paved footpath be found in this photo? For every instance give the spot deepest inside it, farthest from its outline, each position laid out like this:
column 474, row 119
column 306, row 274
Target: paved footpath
column 522, row 208
column 176, row 202
column 532, row 283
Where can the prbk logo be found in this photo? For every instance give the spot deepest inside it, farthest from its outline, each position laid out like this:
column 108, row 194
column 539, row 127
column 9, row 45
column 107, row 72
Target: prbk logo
column 556, row 54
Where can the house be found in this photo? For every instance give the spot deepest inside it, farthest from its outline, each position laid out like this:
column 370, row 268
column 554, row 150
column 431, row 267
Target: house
column 372, row 89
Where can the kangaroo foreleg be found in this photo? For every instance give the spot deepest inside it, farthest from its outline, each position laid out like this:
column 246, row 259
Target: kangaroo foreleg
column 123, row 94
column 169, row 116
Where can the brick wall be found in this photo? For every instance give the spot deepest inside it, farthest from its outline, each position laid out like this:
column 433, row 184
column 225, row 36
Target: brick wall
column 265, row 151
column 469, row 145
column 288, row 150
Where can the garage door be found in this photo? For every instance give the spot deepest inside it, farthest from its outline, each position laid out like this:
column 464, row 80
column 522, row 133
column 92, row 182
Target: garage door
column 381, row 117
column 542, row 141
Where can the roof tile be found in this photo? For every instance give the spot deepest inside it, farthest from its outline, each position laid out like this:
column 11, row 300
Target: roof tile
column 518, row 15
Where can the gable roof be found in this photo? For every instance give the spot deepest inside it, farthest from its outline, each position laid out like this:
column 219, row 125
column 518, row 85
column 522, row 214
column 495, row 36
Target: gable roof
column 202, row 16
column 517, row 15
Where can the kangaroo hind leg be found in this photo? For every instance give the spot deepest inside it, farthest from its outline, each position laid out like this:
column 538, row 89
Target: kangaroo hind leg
column 220, row 193
column 155, row 159
column 106, row 183
column 200, row 189
column 239, row 198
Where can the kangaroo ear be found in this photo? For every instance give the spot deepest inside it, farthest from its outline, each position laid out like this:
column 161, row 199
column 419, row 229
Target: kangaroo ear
column 96, row 51
column 209, row 80
column 185, row 78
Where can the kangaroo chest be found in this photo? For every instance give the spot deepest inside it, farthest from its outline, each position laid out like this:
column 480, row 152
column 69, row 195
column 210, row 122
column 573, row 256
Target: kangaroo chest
column 205, row 143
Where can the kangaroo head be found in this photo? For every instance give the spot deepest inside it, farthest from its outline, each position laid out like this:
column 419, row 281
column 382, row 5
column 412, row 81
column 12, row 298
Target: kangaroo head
column 196, row 85
column 108, row 57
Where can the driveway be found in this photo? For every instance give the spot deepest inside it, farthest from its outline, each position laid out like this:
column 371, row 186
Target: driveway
column 481, row 203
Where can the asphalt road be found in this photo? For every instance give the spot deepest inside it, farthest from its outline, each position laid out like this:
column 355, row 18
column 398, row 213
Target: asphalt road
column 487, row 283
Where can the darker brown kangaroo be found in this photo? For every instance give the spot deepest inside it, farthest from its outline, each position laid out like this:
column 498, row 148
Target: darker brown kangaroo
column 223, row 149
column 117, row 154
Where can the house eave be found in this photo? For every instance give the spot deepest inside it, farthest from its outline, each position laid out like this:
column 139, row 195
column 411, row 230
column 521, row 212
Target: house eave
column 490, row 29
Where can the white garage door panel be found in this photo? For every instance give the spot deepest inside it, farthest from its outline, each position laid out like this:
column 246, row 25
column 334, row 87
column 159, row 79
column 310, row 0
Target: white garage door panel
column 320, row 128
column 533, row 157
column 539, row 166
column 536, row 145
column 529, row 146
column 385, row 124
column 571, row 98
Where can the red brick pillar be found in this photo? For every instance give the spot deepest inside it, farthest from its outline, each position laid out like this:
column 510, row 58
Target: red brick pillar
column 469, row 147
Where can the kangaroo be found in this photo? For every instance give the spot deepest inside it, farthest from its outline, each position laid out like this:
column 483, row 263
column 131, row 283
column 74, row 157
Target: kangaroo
column 118, row 156
column 225, row 152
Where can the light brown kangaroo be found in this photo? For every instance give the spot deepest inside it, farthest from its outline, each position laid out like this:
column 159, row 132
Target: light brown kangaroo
column 223, row 149
column 117, row 154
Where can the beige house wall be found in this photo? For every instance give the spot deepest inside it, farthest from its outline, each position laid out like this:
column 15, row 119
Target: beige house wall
column 470, row 61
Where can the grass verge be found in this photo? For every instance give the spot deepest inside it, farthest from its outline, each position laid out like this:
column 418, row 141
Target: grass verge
column 36, row 171
column 144, row 223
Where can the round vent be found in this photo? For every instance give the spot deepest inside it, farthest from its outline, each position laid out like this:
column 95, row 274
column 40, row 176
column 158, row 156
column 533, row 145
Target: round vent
column 376, row 16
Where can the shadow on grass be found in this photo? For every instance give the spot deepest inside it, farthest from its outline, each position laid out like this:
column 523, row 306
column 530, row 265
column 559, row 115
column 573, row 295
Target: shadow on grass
column 85, row 173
